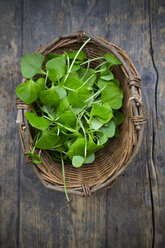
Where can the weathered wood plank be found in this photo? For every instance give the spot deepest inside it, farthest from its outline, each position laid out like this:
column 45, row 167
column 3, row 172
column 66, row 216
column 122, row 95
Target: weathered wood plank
column 106, row 218
column 157, row 148
column 129, row 203
column 10, row 46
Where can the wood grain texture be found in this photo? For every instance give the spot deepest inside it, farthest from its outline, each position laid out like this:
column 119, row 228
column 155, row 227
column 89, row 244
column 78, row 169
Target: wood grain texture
column 131, row 214
column 157, row 170
column 11, row 49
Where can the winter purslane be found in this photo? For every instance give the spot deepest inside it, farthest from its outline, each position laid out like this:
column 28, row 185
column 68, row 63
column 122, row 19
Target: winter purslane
column 75, row 108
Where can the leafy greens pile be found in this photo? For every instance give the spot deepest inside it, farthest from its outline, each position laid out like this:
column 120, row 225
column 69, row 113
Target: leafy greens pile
column 75, row 109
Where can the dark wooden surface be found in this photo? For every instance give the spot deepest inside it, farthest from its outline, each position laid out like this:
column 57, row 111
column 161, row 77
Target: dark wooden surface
column 132, row 213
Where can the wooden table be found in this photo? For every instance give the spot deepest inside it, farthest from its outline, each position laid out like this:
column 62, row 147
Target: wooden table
column 132, row 213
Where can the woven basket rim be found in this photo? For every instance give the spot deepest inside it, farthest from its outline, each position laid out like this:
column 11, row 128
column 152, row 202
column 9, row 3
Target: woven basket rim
column 137, row 109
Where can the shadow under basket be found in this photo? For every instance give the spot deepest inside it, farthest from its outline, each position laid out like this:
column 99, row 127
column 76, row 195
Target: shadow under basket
column 119, row 153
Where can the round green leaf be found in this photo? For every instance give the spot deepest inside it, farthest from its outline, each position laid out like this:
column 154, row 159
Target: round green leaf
column 119, row 118
column 50, row 110
column 75, row 68
column 31, row 64
column 116, row 81
column 37, row 161
column 101, row 110
column 49, row 97
column 117, row 132
column 90, row 159
column 61, row 91
column 78, row 97
column 109, row 131
column 92, row 147
column 67, row 118
column 103, row 113
column 108, row 76
column 103, row 69
column 40, row 83
column 37, row 121
column 32, row 155
column 81, row 56
column 76, row 111
column 27, row 91
column 73, row 83
column 96, row 124
column 83, row 73
column 102, row 138
column 56, row 68
column 101, row 83
column 113, row 95
column 77, row 148
column 77, row 62
column 111, row 59
column 74, row 75
column 77, row 161
column 63, row 105
column 36, row 158
column 48, row 140
column 53, row 55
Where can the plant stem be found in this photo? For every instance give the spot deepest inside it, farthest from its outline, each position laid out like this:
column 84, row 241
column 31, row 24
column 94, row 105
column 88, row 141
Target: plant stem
column 103, row 63
column 86, row 71
column 75, row 58
column 96, row 94
column 58, row 132
column 67, row 128
column 99, row 101
column 43, row 72
column 68, row 88
column 57, row 146
column 46, row 77
column 68, row 61
column 63, row 174
column 82, row 127
column 90, row 60
column 86, row 119
column 33, row 149
column 47, row 118
column 85, row 82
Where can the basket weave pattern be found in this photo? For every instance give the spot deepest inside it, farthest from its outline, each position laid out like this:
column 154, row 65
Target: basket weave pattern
column 116, row 156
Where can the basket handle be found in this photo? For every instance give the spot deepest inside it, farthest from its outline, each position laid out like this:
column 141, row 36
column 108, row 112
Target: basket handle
column 80, row 36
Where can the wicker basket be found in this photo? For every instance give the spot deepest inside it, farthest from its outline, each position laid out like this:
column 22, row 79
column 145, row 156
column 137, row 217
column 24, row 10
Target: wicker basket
column 117, row 155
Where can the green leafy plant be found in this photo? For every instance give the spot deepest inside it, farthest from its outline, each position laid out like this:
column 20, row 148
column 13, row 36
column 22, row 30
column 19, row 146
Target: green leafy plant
column 75, row 109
